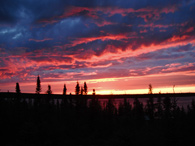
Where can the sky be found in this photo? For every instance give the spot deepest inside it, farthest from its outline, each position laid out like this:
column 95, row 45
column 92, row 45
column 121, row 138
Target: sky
column 115, row 46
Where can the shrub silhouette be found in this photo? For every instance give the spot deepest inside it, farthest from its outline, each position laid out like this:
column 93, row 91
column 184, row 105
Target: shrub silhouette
column 93, row 92
column 49, row 90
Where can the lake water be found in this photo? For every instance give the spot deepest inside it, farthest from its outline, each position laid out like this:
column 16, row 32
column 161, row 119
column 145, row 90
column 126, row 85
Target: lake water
column 181, row 101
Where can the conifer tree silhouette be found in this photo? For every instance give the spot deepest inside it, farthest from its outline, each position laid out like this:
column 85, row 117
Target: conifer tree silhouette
column 85, row 88
column 77, row 89
column 49, row 90
column 38, row 88
column 110, row 108
column 82, row 90
column 17, row 88
column 150, row 107
column 167, row 107
column 138, row 109
column 127, row 107
column 174, row 106
column 159, row 111
column 64, row 90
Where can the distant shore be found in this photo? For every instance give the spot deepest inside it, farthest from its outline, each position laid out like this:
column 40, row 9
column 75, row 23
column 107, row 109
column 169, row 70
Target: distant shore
column 59, row 96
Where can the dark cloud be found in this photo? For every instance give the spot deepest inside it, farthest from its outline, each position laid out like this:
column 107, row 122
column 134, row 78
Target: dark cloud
column 7, row 9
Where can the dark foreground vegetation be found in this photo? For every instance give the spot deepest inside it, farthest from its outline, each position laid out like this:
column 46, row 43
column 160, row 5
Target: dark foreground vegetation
column 47, row 121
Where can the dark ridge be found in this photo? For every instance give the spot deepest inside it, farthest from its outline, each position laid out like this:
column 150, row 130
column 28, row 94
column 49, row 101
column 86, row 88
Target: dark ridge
column 60, row 96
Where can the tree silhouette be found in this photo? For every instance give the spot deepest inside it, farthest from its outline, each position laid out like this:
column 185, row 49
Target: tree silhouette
column 191, row 110
column 110, row 108
column 138, row 109
column 93, row 91
column 159, row 111
column 174, row 106
column 150, row 107
column 38, row 88
column 77, row 89
column 95, row 106
column 82, row 90
column 17, row 88
column 167, row 107
column 49, row 90
column 70, row 121
column 64, row 90
column 150, row 89
column 85, row 88
column 125, row 108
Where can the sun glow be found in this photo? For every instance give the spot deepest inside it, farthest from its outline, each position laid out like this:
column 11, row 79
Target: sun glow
column 176, row 89
column 109, row 86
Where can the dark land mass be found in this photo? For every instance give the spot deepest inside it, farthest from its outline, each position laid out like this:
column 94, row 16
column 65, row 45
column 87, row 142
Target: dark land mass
column 59, row 120
column 60, row 96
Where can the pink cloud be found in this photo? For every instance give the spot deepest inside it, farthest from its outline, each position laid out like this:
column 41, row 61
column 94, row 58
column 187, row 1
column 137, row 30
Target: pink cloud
column 103, row 38
column 118, row 54
column 178, row 38
column 178, row 67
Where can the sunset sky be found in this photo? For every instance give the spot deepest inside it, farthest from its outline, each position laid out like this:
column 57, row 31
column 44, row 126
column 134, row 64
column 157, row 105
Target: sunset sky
column 116, row 46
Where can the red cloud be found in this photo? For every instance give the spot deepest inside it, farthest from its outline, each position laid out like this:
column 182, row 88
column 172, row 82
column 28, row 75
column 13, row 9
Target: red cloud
column 191, row 29
column 103, row 38
column 178, row 38
column 145, row 13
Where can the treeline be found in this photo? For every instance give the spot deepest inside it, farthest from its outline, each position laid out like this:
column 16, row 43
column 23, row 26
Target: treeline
column 79, row 90
column 78, row 121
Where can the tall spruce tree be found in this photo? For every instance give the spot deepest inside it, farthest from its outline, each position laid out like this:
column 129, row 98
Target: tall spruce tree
column 17, row 88
column 38, row 88
column 64, row 89
column 85, row 88
column 77, row 89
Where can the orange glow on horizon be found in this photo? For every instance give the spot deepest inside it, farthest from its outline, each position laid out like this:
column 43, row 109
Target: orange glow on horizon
column 119, row 85
column 57, row 87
